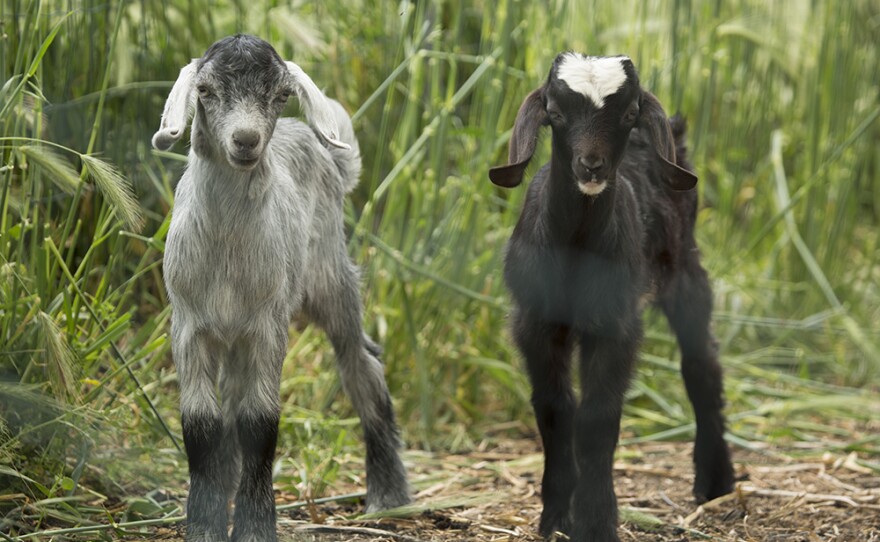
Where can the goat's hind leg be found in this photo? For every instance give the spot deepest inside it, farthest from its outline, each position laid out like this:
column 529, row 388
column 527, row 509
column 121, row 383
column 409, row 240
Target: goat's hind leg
column 547, row 351
column 689, row 311
column 334, row 304
column 197, row 360
column 230, row 398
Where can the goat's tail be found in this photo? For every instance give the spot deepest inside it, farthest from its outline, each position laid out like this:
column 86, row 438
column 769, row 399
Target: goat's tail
column 347, row 160
column 679, row 134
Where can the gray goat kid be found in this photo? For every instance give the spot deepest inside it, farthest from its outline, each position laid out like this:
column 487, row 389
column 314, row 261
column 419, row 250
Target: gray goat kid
column 257, row 238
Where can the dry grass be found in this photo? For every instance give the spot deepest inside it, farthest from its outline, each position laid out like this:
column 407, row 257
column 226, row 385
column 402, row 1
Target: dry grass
column 493, row 495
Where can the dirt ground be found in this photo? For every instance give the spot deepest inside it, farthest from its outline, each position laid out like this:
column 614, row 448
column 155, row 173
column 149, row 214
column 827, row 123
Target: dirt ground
column 493, row 495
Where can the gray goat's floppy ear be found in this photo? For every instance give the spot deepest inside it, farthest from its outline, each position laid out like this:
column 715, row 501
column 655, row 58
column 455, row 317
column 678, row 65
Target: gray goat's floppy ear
column 654, row 120
column 523, row 141
column 315, row 106
column 178, row 109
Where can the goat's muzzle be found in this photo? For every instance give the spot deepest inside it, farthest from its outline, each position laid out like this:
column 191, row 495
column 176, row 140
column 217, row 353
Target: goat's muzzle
column 592, row 173
column 246, row 149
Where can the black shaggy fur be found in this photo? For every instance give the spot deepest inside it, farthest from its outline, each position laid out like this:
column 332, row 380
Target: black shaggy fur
column 582, row 267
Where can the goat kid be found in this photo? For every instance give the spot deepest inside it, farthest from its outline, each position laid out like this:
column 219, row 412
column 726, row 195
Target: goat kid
column 256, row 238
column 607, row 225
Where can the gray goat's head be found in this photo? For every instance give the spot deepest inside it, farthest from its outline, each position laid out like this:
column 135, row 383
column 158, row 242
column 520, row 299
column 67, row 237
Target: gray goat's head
column 591, row 104
column 238, row 90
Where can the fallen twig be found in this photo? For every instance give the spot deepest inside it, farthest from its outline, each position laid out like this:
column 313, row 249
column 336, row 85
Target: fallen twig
column 322, row 500
column 500, row 530
column 409, row 510
column 97, row 528
column 335, row 529
column 810, row 497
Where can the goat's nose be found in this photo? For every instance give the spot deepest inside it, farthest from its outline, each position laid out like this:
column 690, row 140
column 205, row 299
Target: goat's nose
column 246, row 140
column 592, row 162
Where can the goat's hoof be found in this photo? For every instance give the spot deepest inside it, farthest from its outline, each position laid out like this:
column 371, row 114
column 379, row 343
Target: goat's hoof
column 706, row 488
column 201, row 533
column 706, row 492
column 388, row 501
column 265, row 536
column 594, row 534
column 554, row 526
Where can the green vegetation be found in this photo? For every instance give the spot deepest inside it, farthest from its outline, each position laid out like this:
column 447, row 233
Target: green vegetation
column 782, row 99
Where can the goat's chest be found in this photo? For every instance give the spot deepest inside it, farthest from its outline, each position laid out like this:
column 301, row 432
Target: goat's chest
column 226, row 268
column 572, row 285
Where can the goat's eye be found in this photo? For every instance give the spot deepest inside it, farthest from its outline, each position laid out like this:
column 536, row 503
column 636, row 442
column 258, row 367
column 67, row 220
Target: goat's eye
column 204, row 91
column 631, row 114
column 284, row 96
column 556, row 117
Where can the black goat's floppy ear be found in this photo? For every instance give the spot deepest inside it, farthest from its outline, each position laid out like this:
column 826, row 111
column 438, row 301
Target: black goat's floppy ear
column 178, row 108
column 653, row 119
column 523, row 141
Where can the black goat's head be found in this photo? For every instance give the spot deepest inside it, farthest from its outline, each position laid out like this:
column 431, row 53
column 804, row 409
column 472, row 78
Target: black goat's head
column 591, row 104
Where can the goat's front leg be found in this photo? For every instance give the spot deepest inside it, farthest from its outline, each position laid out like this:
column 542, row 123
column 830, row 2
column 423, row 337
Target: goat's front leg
column 606, row 366
column 197, row 360
column 547, row 352
column 257, row 360
column 334, row 304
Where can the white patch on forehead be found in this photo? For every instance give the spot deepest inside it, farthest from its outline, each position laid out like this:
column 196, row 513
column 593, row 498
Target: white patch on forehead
column 594, row 77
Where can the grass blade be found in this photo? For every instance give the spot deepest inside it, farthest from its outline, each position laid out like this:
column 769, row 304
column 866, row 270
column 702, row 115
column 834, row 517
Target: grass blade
column 117, row 190
column 59, row 170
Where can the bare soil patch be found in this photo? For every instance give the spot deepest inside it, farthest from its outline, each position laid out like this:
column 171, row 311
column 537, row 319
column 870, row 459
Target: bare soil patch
column 493, row 496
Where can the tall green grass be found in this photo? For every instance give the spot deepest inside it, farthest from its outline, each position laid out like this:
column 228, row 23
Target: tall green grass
column 782, row 102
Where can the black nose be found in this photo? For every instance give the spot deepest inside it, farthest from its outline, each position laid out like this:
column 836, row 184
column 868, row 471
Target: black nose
column 592, row 163
column 246, row 140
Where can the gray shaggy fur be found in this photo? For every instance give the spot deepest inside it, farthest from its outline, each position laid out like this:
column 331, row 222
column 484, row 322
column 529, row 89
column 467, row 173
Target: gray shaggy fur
column 257, row 238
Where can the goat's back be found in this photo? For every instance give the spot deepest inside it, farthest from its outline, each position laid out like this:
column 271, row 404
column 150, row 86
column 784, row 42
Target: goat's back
column 299, row 142
column 667, row 216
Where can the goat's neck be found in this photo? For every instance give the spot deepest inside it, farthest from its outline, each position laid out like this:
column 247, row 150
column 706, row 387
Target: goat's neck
column 216, row 180
column 211, row 169
column 576, row 218
column 220, row 185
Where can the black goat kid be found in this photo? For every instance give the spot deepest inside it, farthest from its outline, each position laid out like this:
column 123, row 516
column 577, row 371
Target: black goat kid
column 607, row 226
